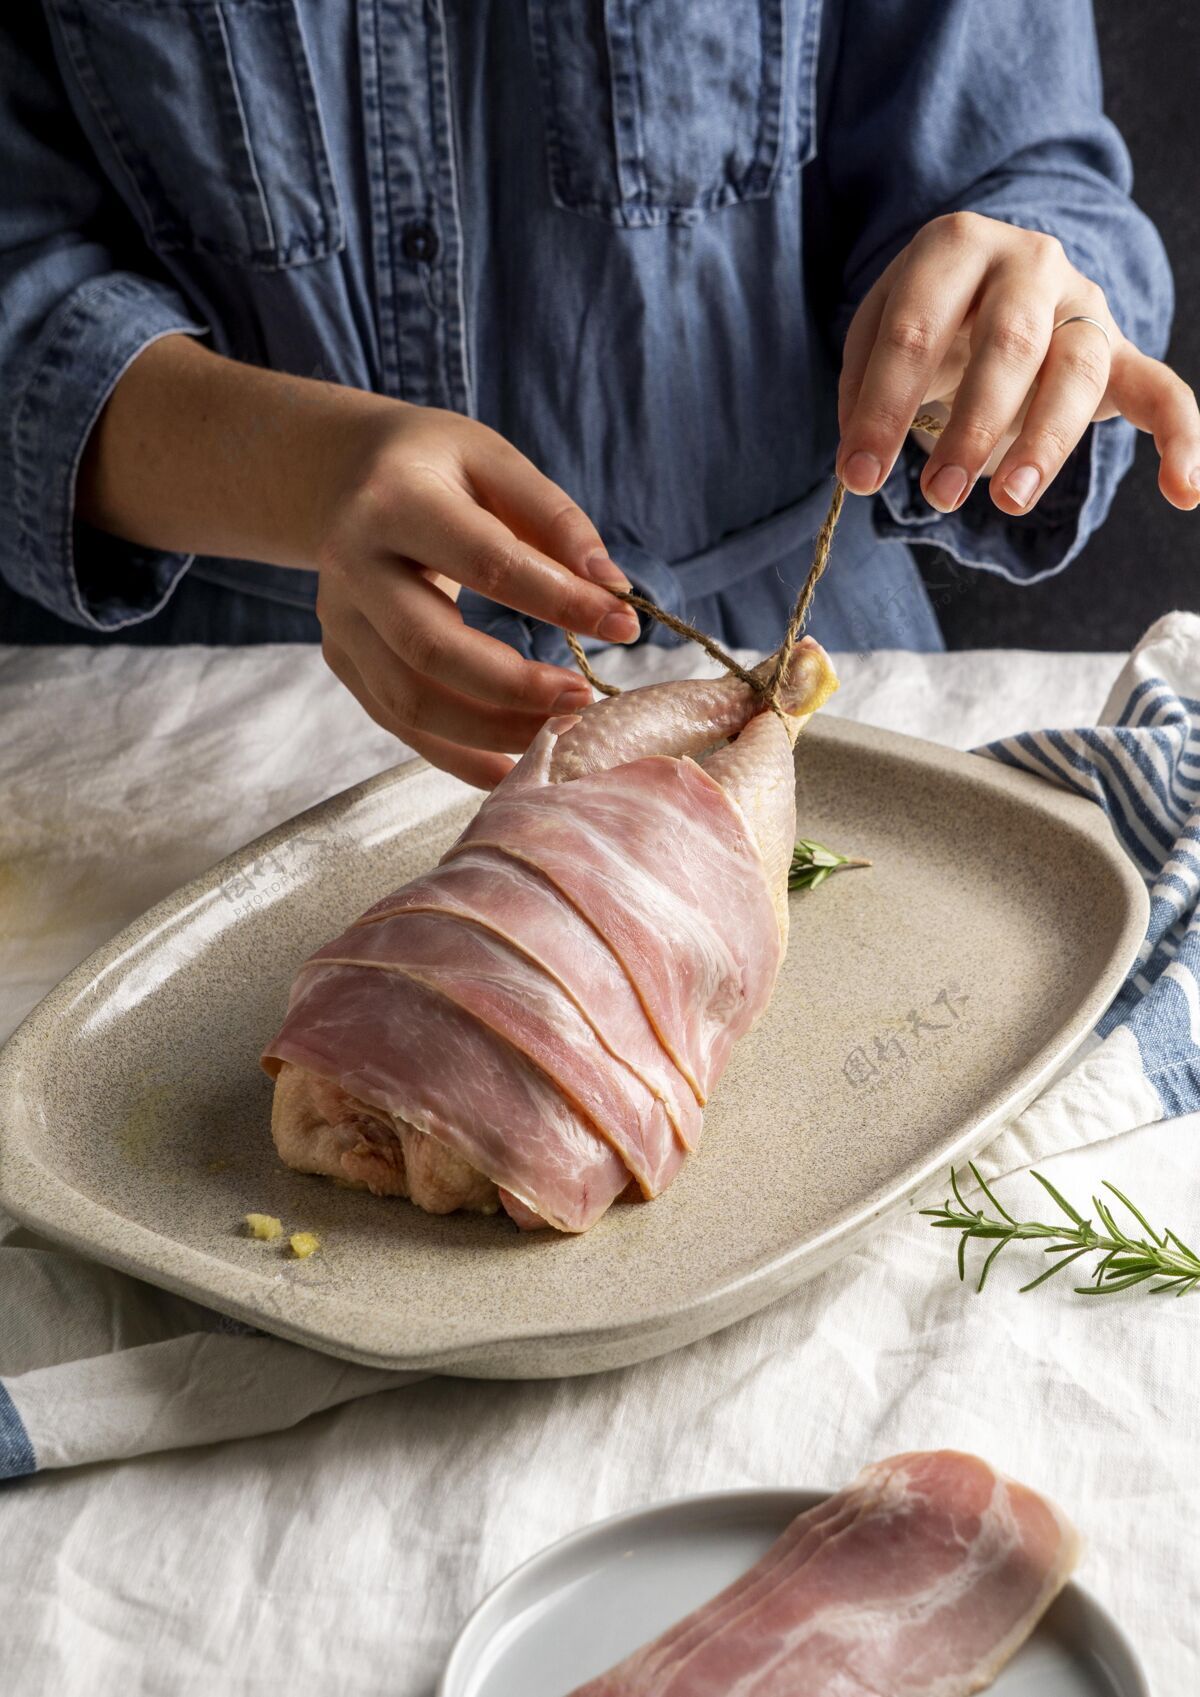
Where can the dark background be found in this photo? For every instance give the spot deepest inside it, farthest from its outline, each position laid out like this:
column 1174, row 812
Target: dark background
column 1146, row 558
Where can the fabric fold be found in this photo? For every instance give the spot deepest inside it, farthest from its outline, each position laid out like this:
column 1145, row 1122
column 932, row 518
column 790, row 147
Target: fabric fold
column 1141, row 764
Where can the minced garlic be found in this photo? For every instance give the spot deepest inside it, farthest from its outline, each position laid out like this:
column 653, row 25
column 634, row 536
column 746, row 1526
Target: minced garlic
column 304, row 1244
column 265, row 1227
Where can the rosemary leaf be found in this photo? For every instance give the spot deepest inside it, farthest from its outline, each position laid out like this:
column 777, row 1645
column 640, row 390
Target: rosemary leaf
column 1071, row 1213
column 1106, row 1219
column 987, row 1265
column 1136, row 1212
column 1111, row 1286
column 982, row 1183
column 1056, row 1266
column 1182, row 1246
column 958, row 1195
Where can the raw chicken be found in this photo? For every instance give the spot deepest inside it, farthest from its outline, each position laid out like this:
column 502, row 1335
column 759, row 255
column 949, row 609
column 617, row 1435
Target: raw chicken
column 536, row 1023
column 920, row 1579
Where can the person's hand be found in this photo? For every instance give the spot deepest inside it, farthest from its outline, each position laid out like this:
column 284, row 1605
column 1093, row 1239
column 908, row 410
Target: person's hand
column 425, row 501
column 965, row 316
column 395, row 506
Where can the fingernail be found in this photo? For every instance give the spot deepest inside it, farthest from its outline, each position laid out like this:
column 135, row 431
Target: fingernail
column 862, row 473
column 1194, row 478
column 600, row 569
column 947, row 487
column 1022, row 485
column 619, row 627
column 578, row 695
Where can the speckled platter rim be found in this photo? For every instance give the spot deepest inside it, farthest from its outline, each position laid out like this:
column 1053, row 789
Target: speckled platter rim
column 1094, row 1627
column 330, row 1321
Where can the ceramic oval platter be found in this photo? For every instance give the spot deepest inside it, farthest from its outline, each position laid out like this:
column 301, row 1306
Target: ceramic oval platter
column 922, row 1003
column 589, row 1600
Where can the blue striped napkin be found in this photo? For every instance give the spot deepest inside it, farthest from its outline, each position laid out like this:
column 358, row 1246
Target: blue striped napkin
column 1141, row 764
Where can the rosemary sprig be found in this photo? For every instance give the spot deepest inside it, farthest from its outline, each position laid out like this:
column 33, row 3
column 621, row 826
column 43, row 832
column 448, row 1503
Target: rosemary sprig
column 812, row 864
column 1125, row 1259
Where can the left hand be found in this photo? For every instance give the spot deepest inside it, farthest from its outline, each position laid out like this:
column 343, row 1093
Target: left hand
column 965, row 316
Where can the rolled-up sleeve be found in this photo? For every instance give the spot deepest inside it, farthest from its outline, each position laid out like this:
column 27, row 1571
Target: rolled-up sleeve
column 73, row 317
column 935, row 106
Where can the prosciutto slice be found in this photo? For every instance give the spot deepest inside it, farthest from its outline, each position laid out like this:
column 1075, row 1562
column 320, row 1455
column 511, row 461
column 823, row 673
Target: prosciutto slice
column 920, row 1579
column 479, row 972
column 536, row 1023
column 510, row 899
column 378, row 1035
column 654, row 857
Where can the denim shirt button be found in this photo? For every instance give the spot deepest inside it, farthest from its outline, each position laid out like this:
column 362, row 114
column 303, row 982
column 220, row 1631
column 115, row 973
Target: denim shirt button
column 419, row 244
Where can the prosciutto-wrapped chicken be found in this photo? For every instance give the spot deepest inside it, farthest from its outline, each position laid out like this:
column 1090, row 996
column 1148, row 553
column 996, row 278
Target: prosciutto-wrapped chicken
column 537, row 1023
column 920, row 1579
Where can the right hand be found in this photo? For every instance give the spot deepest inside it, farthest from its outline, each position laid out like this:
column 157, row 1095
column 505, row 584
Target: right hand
column 423, row 501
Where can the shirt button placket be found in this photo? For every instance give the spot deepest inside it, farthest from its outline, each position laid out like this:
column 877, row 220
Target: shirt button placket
column 418, row 238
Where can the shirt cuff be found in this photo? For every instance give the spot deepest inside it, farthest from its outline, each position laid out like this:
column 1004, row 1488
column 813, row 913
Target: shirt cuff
column 81, row 574
column 1023, row 550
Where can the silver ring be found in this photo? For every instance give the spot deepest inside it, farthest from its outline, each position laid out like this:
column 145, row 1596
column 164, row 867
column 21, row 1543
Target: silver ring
column 1082, row 318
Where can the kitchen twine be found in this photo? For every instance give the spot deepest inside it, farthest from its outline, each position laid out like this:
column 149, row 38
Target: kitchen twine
column 768, row 687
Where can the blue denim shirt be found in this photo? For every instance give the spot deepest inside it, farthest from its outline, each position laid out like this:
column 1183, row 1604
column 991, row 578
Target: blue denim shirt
column 628, row 236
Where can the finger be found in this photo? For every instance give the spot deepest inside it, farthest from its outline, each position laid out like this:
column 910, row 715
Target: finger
column 1010, row 338
column 446, row 530
column 1150, row 395
column 932, row 295
column 471, row 765
column 860, row 339
column 536, row 510
column 426, row 630
column 1071, row 385
column 415, row 703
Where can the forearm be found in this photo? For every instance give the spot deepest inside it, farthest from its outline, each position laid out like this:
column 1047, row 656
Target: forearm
column 199, row 454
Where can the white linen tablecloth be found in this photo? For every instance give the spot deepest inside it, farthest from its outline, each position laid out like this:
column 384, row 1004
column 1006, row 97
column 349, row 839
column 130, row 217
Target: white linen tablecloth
column 339, row 1558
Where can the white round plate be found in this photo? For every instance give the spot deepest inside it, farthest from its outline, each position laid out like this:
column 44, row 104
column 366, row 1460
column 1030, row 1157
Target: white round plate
column 581, row 1605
